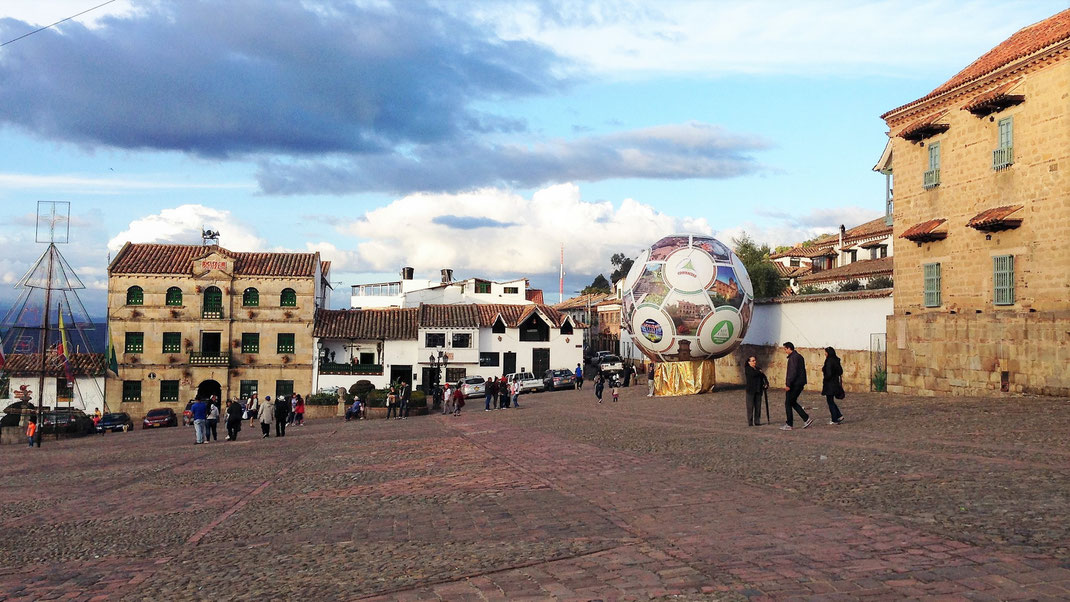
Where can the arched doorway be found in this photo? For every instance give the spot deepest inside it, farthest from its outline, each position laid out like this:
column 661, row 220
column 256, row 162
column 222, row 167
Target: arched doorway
column 208, row 388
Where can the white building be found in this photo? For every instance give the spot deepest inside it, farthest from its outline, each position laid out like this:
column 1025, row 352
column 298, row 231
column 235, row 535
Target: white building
column 377, row 345
column 22, row 373
column 411, row 292
column 860, row 253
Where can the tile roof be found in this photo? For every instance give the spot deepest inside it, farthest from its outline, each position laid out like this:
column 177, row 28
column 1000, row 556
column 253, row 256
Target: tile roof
column 1026, row 41
column 787, row 271
column 994, row 100
column 864, row 268
column 394, row 324
column 824, row 246
column 925, row 231
column 515, row 314
column 151, row 258
column 864, row 294
column 534, row 295
column 998, row 218
column 925, row 127
column 82, row 364
column 448, row 316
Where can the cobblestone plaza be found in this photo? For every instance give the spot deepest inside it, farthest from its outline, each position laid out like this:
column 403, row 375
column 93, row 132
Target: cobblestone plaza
column 563, row 499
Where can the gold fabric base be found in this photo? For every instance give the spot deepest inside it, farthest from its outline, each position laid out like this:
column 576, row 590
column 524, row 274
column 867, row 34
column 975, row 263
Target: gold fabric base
column 684, row 378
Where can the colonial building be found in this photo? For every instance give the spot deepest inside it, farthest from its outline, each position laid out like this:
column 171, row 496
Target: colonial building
column 861, row 253
column 22, row 373
column 982, row 207
column 192, row 321
column 385, row 345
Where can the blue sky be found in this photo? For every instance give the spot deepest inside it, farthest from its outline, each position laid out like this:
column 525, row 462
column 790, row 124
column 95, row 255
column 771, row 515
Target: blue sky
column 477, row 136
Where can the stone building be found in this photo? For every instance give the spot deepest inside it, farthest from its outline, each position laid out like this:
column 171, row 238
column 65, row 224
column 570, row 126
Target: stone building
column 982, row 207
column 192, row 321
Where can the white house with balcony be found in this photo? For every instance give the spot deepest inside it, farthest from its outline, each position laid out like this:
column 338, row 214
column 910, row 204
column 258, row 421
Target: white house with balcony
column 411, row 292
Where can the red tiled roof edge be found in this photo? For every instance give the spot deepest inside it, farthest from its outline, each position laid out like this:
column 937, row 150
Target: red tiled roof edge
column 845, row 296
column 996, row 214
column 154, row 258
column 1029, row 40
column 865, row 268
column 385, row 323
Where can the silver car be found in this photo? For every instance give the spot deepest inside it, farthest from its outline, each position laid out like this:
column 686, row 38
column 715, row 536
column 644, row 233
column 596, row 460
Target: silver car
column 473, row 386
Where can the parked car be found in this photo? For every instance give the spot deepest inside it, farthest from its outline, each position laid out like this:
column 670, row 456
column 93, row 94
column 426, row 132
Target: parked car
column 610, row 364
column 65, row 420
column 160, row 417
column 558, row 379
column 473, row 386
column 115, row 422
column 528, row 382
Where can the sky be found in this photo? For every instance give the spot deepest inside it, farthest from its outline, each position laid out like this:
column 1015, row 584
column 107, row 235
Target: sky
column 477, row 136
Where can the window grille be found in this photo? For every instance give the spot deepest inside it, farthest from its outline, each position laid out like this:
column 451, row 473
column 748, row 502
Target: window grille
column 1003, row 279
column 932, row 284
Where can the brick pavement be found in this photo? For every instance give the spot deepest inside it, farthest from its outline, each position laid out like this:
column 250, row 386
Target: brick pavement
column 563, row 499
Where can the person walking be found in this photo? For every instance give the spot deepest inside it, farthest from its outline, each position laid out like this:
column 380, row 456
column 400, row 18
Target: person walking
column 832, row 384
column 253, row 406
column 391, row 404
column 458, row 399
column 447, row 399
column 628, row 375
column 579, row 377
column 492, row 394
column 211, row 433
column 282, row 412
column 614, row 383
column 299, row 411
column 599, row 386
column 234, row 420
column 199, row 413
column 794, row 382
column 650, row 379
column 403, row 400
column 291, row 416
column 503, row 393
column 757, row 383
column 266, row 415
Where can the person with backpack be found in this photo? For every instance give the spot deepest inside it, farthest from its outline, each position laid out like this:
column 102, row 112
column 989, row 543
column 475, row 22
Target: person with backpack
column 599, row 386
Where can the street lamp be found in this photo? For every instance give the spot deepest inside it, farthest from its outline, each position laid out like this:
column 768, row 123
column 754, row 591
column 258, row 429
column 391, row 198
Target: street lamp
column 438, row 363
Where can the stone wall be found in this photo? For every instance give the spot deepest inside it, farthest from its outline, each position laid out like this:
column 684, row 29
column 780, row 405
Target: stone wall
column 774, row 362
column 968, row 354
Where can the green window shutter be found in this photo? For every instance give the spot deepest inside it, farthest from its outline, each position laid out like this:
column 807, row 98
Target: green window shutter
column 168, row 391
column 934, row 155
column 284, row 388
column 135, row 342
column 1003, row 279
column 288, row 298
column 285, row 342
column 1006, row 132
column 172, row 342
column 135, row 296
column 174, row 296
column 132, row 391
column 932, row 284
column 250, row 298
column 247, row 389
column 250, row 342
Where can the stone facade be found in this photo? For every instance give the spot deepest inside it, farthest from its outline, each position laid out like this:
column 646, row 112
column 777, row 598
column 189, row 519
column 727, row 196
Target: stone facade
column 199, row 360
column 774, row 362
column 965, row 343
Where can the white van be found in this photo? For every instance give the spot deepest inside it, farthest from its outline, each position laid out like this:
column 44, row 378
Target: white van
column 528, row 382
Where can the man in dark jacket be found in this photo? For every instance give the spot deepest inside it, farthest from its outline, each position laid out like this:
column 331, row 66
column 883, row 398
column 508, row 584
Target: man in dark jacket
column 404, row 394
column 757, row 383
column 794, row 382
column 282, row 411
column 491, row 389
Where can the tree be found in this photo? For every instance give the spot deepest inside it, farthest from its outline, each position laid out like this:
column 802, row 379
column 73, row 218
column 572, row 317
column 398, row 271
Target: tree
column 599, row 285
column 622, row 264
column 850, row 285
column 878, row 282
column 763, row 274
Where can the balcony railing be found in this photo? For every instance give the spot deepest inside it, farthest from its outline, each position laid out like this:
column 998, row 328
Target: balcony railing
column 212, row 312
column 209, row 359
column 1002, row 158
column 931, row 178
column 368, row 369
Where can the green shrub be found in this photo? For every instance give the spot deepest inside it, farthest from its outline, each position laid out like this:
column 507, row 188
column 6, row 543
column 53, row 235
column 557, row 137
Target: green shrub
column 322, row 399
column 879, row 282
column 377, row 398
column 810, row 289
column 850, row 285
column 880, row 380
column 361, row 388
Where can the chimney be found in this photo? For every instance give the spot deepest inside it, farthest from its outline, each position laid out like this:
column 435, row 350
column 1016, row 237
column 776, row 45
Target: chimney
column 406, row 273
column 447, row 275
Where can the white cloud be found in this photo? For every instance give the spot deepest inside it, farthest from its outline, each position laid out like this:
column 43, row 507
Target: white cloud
column 494, row 232
column 183, row 225
column 45, row 13
column 94, row 185
column 622, row 36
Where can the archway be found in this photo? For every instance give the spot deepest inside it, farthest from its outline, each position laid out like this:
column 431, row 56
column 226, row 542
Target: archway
column 208, row 388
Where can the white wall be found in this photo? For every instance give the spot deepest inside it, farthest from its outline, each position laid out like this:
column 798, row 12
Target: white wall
column 394, row 352
column 566, row 350
column 843, row 324
column 88, row 392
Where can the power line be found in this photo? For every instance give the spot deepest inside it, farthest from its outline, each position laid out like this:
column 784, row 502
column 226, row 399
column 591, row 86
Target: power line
column 56, row 23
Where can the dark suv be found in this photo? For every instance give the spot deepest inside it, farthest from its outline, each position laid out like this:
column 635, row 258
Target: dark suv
column 115, row 422
column 64, row 420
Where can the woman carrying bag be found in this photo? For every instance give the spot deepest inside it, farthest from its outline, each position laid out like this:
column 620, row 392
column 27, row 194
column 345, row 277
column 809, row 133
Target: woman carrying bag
column 832, row 384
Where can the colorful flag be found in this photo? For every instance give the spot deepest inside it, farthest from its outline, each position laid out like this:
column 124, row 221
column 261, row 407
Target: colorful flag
column 3, row 360
column 109, row 352
column 64, row 349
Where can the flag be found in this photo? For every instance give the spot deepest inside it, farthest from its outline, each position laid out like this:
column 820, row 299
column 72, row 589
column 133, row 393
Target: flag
column 109, row 352
column 3, row 360
column 64, row 349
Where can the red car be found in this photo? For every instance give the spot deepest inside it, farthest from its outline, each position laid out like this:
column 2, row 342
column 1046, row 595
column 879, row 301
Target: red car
column 159, row 417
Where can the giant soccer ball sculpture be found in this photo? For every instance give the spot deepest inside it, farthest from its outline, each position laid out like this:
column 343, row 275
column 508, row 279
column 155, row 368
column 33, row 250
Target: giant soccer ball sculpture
column 687, row 298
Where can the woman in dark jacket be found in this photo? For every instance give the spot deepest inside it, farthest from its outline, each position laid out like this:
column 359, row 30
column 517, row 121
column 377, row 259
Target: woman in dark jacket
column 832, row 383
column 234, row 412
column 757, row 383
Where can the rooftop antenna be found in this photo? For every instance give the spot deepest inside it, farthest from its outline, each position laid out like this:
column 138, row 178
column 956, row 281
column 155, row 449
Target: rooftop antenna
column 209, row 237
